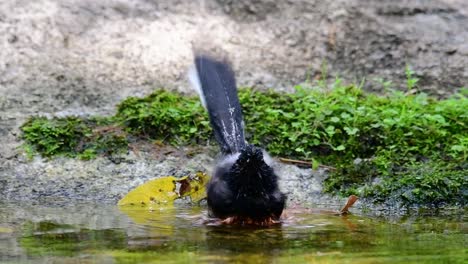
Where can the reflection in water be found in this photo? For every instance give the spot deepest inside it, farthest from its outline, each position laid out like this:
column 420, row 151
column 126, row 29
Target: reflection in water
column 103, row 233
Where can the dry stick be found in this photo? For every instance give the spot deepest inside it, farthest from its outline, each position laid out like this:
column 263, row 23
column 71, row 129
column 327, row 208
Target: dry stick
column 304, row 162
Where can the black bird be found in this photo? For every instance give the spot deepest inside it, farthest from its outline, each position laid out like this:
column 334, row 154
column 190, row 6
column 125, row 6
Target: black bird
column 244, row 186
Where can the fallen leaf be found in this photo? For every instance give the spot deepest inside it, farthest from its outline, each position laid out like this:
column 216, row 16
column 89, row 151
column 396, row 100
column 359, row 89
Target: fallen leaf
column 195, row 187
column 153, row 192
column 163, row 191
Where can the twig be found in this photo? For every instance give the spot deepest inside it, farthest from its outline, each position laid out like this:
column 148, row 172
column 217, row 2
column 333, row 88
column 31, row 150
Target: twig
column 305, row 162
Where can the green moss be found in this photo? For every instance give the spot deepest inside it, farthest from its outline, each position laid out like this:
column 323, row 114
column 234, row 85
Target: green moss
column 55, row 136
column 432, row 183
column 167, row 116
column 415, row 145
column 72, row 137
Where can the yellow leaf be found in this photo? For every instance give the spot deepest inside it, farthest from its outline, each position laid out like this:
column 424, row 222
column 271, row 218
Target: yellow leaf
column 163, row 191
column 160, row 191
column 194, row 187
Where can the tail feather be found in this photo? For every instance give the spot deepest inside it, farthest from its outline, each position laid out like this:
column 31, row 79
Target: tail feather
column 215, row 82
column 196, row 84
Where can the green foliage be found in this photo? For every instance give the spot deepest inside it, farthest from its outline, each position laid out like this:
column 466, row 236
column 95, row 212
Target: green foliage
column 411, row 81
column 72, row 136
column 106, row 144
column 56, row 136
column 434, row 183
column 380, row 145
column 167, row 116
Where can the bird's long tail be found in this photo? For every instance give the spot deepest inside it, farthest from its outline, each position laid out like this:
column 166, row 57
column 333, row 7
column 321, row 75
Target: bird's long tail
column 215, row 82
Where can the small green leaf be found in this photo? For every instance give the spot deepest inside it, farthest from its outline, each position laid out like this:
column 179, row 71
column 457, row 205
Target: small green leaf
column 340, row 148
column 330, row 130
column 345, row 116
column 315, row 164
column 299, row 149
column 351, row 131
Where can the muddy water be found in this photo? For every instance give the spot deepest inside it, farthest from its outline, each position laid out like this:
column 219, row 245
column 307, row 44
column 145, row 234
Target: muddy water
column 90, row 233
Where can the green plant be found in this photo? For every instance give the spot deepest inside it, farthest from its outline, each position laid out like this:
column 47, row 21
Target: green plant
column 54, row 136
column 411, row 81
column 164, row 115
column 395, row 138
column 72, row 137
column 386, row 85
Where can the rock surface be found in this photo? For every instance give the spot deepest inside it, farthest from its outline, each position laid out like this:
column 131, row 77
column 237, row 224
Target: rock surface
column 81, row 57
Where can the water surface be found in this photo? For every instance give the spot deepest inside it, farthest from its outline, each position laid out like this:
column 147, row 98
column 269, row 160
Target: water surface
column 90, row 233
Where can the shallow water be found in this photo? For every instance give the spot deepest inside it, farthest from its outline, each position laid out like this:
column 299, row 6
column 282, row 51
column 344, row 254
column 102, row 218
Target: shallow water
column 89, row 233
